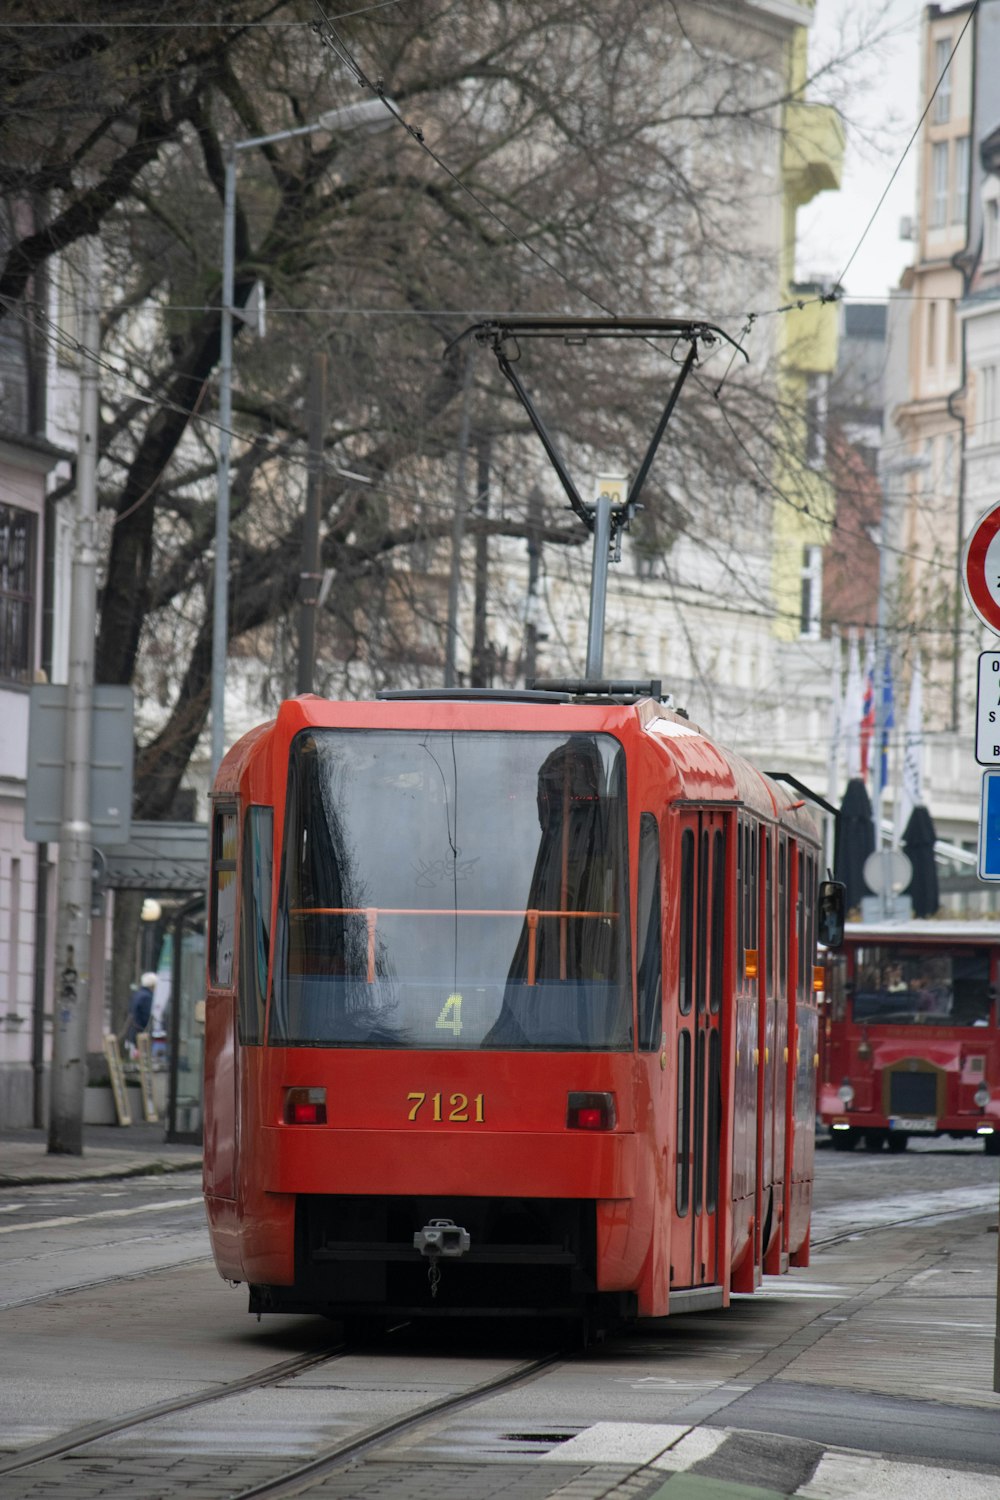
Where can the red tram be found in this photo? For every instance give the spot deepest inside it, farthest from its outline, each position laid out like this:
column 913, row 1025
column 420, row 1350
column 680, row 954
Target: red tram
column 910, row 1042
column 510, row 1009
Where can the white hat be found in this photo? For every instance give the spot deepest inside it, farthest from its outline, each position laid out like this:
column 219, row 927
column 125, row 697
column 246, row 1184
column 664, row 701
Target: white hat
column 148, row 980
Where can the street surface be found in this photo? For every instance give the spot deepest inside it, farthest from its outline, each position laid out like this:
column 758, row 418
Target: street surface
column 110, row 1305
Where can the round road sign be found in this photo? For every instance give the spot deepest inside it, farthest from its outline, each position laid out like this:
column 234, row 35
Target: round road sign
column 981, row 568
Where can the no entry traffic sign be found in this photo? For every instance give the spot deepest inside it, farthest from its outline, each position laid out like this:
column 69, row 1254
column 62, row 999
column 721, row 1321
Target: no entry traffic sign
column 981, row 569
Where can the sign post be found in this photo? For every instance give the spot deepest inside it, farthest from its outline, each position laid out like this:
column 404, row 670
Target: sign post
column 981, row 577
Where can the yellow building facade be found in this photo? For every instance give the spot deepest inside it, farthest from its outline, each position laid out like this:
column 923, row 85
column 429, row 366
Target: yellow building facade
column 812, row 163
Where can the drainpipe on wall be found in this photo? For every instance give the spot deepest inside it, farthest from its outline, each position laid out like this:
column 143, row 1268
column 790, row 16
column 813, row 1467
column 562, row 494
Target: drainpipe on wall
column 964, row 261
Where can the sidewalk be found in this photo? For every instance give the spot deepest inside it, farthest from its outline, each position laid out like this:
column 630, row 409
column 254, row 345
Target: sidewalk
column 108, row 1151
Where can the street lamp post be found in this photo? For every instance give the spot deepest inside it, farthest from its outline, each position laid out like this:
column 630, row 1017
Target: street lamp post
column 911, row 464
column 368, row 115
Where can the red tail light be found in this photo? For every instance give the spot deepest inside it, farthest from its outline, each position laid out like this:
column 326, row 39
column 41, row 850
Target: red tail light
column 591, row 1112
column 305, row 1107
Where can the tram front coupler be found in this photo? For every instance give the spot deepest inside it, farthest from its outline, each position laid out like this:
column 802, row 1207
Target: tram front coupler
column 441, row 1239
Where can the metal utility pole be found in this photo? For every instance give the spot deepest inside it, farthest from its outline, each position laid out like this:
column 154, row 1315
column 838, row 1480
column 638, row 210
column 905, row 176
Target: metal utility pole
column 534, row 568
column 367, row 115
column 598, row 587
column 481, row 674
column 73, row 918
column 220, row 594
column 311, row 576
column 457, row 530
column 887, row 550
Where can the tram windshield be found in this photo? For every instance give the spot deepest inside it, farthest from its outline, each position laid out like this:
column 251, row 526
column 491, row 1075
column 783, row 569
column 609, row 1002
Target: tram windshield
column 905, row 986
column 454, row 890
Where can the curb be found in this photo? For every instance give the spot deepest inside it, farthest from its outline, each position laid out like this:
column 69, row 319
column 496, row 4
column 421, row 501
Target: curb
column 156, row 1168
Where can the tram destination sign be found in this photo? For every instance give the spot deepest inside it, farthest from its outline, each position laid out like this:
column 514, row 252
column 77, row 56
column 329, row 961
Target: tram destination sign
column 988, row 709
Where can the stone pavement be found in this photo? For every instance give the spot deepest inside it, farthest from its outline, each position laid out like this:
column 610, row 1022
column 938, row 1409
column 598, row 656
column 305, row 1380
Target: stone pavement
column 108, row 1151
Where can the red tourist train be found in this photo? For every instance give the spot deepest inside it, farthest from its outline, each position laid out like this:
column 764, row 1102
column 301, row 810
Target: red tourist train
column 910, row 1039
column 510, row 1008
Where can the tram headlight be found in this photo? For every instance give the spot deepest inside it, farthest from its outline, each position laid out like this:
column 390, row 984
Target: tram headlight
column 981, row 1097
column 846, row 1094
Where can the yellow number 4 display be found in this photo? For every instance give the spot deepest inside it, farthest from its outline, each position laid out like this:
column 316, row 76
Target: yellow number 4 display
column 450, row 1018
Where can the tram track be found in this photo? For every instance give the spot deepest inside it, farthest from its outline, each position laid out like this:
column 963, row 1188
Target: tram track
column 92, row 1432
column 302, row 1474
column 931, row 1216
column 345, row 1452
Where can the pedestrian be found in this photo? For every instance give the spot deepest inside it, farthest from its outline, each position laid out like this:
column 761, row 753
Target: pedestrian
column 140, row 1008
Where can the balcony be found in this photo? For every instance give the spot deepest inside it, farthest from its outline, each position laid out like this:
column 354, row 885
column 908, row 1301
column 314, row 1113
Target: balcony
column 813, row 153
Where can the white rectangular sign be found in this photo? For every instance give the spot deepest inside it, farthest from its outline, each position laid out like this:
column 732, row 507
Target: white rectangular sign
column 988, row 709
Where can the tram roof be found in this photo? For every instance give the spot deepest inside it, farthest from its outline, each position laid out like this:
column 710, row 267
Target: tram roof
column 702, row 769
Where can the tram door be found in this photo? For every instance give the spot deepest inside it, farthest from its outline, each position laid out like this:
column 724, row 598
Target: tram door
column 701, row 959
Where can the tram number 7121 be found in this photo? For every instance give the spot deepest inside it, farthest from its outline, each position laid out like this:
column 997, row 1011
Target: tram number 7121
column 453, row 1109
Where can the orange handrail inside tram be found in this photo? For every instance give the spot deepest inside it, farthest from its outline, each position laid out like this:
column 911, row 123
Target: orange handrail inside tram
column 372, row 914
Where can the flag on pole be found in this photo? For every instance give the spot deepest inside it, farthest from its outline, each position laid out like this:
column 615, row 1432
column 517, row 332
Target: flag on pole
column 836, row 715
column 852, row 710
column 913, row 752
column 888, row 719
column 867, row 727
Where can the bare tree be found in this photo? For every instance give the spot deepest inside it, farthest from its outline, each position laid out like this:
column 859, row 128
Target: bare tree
column 599, row 155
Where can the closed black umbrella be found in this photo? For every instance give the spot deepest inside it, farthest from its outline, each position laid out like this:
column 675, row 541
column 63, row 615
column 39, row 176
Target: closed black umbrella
column 918, row 843
column 854, row 842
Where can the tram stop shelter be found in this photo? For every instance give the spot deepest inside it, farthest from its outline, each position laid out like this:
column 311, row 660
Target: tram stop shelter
column 168, row 864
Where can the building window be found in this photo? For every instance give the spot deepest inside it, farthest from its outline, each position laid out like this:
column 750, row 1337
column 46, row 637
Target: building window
column 942, row 99
column 991, row 230
column 960, row 184
column 816, row 412
column 939, row 185
column 17, row 604
column 812, row 592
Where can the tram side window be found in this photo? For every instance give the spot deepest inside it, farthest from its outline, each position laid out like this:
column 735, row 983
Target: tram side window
column 702, row 951
column 768, row 915
column 681, row 1190
column 740, row 905
column 836, row 986
column 714, row 1120
column 751, row 888
column 686, row 974
column 255, row 923
column 223, row 945
column 718, row 919
column 783, row 916
column 650, row 973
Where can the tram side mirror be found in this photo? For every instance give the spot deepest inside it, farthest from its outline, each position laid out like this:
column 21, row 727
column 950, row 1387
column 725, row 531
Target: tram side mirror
column 830, row 913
